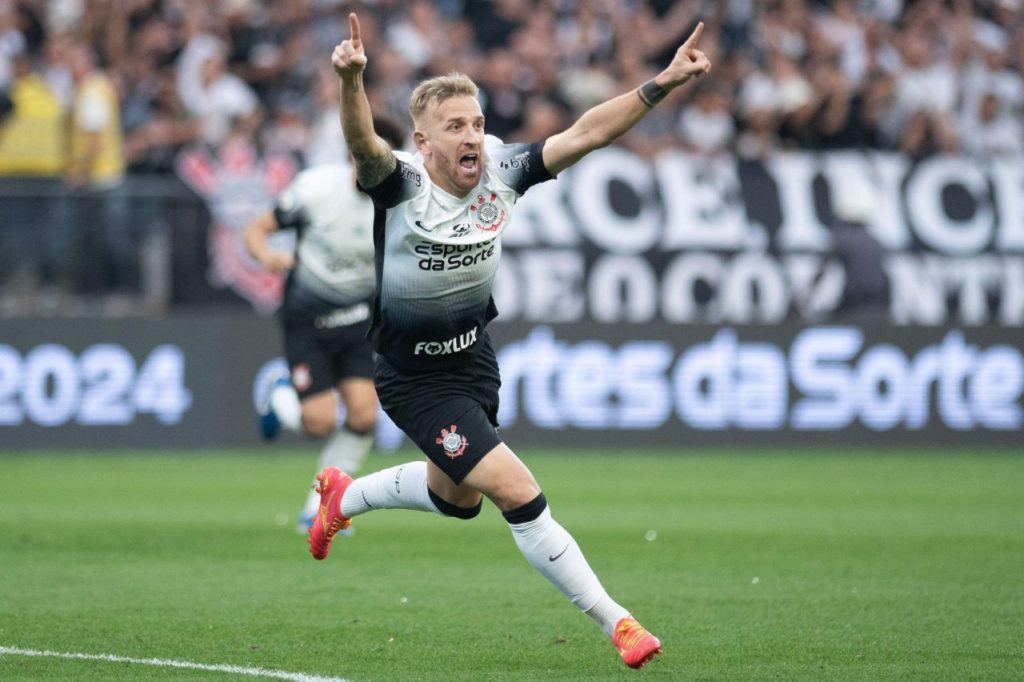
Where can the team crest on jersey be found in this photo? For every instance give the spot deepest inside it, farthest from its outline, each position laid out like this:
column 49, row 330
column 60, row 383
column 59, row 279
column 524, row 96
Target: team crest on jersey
column 488, row 217
column 454, row 444
column 238, row 185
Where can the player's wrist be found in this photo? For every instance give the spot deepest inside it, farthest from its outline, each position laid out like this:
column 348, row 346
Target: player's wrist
column 652, row 92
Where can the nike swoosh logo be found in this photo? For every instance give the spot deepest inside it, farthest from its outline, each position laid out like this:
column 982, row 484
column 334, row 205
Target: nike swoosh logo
column 419, row 224
column 552, row 558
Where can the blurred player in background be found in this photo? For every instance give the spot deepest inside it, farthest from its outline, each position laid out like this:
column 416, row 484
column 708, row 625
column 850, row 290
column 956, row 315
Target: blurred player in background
column 325, row 312
column 438, row 218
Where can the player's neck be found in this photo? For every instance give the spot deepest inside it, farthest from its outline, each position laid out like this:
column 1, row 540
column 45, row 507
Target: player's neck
column 443, row 182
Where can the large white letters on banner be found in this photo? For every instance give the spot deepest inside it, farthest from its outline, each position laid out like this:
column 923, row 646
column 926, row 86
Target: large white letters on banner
column 693, row 240
column 838, row 381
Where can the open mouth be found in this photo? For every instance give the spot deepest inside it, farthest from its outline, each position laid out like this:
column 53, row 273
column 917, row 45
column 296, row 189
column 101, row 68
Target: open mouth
column 469, row 162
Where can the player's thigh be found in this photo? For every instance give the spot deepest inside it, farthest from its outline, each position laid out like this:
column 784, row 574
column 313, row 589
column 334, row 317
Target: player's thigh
column 503, row 478
column 360, row 400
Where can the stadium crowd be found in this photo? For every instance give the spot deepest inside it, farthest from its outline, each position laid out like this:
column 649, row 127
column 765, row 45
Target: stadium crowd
column 97, row 96
column 921, row 76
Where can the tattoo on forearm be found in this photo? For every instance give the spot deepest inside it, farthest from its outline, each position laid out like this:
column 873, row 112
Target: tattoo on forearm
column 651, row 93
column 371, row 170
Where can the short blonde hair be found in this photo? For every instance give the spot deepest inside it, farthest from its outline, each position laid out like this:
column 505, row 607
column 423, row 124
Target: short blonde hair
column 438, row 89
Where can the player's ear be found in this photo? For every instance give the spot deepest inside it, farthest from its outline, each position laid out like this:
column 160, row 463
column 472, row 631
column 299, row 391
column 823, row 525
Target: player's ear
column 419, row 138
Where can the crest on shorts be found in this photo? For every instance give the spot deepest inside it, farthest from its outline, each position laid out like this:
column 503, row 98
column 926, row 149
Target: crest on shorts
column 302, row 377
column 454, row 444
column 486, row 214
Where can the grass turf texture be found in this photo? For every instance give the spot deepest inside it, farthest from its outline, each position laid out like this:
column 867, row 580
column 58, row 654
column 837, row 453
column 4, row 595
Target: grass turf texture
column 846, row 565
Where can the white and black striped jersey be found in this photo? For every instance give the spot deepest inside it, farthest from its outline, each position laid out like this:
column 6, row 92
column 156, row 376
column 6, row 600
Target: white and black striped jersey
column 437, row 254
column 334, row 259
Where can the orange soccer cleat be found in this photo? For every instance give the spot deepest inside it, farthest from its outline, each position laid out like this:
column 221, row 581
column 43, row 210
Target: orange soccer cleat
column 329, row 519
column 635, row 644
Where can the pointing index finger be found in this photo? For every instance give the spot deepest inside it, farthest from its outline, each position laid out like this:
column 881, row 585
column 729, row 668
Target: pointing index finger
column 353, row 28
column 694, row 37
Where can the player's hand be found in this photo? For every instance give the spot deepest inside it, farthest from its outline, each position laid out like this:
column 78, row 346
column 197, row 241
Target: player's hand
column 277, row 261
column 689, row 62
column 349, row 58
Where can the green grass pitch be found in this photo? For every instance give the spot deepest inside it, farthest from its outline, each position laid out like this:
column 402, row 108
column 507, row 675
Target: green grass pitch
column 766, row 565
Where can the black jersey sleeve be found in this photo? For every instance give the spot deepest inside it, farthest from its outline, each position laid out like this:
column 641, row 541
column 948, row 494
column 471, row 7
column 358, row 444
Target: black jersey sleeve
column 521, row 166
column 402, row 184
column 289, row 211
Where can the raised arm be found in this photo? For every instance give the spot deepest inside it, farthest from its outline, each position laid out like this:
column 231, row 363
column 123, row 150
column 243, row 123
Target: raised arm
column 606, row 122
column 374, row 158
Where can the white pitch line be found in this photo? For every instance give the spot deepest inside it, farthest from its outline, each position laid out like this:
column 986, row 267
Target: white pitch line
column 164, row 663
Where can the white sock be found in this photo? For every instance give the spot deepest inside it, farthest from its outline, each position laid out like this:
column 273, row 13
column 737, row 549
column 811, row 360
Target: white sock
column 284, row 401
column 346, row 450
column 398, row 487
column 553, row 552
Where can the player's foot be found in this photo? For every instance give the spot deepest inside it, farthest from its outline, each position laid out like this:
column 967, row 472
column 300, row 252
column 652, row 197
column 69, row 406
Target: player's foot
column 635, row 644
column 306, row 522
column 329, row 519
column 270, row 425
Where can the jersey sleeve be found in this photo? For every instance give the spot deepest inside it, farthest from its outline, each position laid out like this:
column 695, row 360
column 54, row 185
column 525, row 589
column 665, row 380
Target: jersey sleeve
column 289, row 211
column 402, row 184
column 521, row 166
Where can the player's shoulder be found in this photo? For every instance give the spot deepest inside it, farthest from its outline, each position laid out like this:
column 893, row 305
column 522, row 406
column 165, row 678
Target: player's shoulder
column 325, row 178
column 517, row 165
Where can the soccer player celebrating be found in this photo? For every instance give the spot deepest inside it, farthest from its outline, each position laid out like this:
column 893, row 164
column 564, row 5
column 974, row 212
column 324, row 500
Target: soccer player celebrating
column 325, row 312
column 438, row 219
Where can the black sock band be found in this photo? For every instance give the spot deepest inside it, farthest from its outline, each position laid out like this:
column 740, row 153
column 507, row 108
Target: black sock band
column 449, row 509
column 528, row 512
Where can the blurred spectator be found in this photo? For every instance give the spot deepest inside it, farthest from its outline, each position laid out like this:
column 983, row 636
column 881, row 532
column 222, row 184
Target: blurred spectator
column 100, row 256
column 866, row 292
column 994, row 131
column 325, row 143
column 12, row 42
column 209, row 92
column 504, row 100
column 706, row 126
column 32, row 134
column 96, row 156
column 418, row 35
column 926, row 92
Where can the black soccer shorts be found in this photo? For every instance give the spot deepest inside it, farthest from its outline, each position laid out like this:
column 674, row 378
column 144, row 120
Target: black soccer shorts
column 450, row 414
column 319, row 358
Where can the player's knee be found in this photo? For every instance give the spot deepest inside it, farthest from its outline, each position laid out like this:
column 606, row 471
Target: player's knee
column 361, row 420
column 316, row 424
column 526, row 512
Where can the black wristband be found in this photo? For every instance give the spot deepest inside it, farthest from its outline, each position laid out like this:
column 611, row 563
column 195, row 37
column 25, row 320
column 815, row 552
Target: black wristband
column 651, row 93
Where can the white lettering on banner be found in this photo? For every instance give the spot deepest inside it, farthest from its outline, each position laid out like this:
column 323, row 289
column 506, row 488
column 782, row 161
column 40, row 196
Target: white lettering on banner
column 727, row 383
column 757, row 217
column 800, row 228
column 102, row 387
column 704, row 209
column 588, row 386
column 881, row 176
column 1008, row 181
column 598, row 220
column 724, row 383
